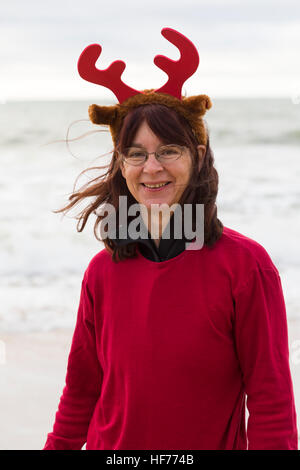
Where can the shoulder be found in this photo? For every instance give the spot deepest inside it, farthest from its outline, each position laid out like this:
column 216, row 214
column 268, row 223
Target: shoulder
column 240, row 249
column 97, row 266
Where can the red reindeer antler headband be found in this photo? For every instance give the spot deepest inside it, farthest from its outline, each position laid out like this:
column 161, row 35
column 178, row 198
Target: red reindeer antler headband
column 178, row 72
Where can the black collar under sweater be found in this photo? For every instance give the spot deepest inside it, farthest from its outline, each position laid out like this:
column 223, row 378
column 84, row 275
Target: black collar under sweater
column 167, row 248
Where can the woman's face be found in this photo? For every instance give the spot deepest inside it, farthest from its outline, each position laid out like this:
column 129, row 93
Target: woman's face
column 176, row 173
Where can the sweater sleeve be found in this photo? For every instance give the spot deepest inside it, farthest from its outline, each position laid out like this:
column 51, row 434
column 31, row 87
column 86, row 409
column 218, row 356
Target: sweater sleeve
column 261, row 337
column 82, row 385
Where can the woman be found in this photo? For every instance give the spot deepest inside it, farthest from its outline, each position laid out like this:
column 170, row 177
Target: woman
column 170, row 341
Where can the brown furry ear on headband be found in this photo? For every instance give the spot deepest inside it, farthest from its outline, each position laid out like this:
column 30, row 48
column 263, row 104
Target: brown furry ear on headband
column 102, row 114
column 197, row 104
column 192, row 109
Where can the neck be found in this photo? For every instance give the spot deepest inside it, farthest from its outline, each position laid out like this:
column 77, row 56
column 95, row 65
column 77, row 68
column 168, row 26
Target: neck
column 156, row 219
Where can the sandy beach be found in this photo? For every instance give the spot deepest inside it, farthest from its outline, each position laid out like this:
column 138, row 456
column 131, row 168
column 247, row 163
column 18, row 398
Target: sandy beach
column 32, row 371
column 32, row 379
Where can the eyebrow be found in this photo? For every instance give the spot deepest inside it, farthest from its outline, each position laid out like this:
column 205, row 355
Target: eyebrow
column 137, row 145
column 134, row 144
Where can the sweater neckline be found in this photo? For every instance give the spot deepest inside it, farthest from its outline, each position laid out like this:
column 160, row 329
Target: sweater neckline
column 166, row 262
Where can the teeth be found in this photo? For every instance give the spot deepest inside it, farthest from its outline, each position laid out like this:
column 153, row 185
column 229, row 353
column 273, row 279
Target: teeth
column 155, row 185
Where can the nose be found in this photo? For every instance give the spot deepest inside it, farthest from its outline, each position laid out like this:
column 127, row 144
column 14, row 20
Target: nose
column 152, row 165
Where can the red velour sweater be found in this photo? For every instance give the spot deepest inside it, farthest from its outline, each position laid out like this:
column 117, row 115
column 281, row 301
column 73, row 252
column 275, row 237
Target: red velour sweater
column 165, row 355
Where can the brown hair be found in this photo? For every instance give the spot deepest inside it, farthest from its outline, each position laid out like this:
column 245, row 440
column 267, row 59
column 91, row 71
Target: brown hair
column 170, row 127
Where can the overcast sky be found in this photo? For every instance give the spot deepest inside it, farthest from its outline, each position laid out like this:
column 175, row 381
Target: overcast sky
column 247, row 48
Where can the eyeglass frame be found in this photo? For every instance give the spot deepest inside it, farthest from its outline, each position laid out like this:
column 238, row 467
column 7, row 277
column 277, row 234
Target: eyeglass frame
column 182, row 148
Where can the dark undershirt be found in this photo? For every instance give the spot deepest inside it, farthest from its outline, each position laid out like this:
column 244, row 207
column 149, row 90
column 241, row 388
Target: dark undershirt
column 167, row 248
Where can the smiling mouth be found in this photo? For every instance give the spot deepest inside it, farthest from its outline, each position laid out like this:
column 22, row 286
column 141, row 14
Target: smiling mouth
column 155, row 186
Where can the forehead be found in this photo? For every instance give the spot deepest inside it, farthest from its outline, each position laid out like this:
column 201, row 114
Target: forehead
column 145, row 137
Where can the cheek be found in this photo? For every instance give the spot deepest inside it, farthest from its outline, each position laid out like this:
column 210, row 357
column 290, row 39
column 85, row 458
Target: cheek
column 131, row 175
column 184, row 172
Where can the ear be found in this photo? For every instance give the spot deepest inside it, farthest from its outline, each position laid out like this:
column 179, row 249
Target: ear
column 102, row 114
column 201, row 153
column 197, row 104
column 122, row 168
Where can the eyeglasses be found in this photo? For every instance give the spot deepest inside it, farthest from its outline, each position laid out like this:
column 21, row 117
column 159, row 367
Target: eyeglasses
column 167, row 153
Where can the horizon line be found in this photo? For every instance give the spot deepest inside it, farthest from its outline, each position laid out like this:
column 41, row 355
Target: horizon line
column 108, row 101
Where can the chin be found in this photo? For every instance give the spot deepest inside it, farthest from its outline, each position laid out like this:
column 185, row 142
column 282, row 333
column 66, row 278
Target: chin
column 155, row 201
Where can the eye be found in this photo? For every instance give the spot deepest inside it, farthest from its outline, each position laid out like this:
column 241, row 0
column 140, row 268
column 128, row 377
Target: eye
column 137, row 154
column 167, row 152
column 134, row 153
column 170, row 151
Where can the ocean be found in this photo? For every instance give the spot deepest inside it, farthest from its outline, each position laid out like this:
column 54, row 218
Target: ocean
column 43, row 257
